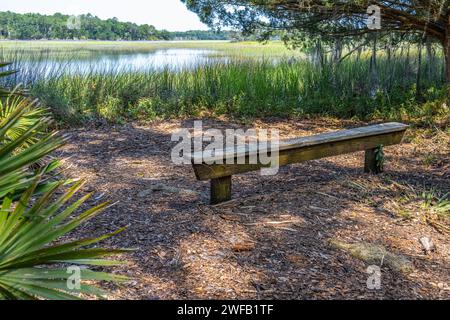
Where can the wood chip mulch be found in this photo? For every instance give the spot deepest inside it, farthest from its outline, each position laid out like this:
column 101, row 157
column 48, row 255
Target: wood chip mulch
column 273, row 240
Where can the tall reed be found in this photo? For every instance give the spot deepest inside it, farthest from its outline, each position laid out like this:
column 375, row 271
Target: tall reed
column 238, row 87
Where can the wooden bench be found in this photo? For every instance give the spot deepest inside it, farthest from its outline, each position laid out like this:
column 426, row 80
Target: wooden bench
column 367, row 139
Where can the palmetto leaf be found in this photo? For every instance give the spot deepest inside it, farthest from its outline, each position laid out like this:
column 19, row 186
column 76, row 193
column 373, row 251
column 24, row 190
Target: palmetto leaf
column 30, row 226
column 30, row 115
column 22, row 144
column 26, row 236
column 57, row 279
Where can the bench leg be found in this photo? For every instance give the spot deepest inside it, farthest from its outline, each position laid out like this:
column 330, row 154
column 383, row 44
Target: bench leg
column 220, row 190
column 371, row 163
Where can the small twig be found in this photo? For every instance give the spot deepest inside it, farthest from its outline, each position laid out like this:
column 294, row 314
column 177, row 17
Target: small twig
column 437, row 225
column 281, row 222
column 223, row 203
column 286, row 229
column 327, row 195
column 202, row 211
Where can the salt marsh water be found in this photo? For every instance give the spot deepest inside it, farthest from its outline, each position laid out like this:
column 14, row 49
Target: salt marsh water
column 172, row 59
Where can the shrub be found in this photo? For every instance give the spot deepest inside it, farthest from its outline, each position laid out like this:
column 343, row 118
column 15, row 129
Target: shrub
column 32, row 218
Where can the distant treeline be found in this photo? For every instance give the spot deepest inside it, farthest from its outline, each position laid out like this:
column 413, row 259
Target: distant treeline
column 203, row 35
column 32, row 26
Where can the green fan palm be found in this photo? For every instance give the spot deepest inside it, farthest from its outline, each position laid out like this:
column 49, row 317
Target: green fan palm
column 23, row 126
column 27, row 232
column 30, row 114
column 22, row 144
column 32, row 261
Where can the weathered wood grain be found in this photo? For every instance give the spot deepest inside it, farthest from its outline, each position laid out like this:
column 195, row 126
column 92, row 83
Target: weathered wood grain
column 371, row 164
column 303, row 152
column 295, row 151
column 342, row 135
column 220, row 190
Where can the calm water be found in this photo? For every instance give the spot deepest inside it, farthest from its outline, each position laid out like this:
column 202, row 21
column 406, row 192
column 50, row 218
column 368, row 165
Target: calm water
column 173, row 59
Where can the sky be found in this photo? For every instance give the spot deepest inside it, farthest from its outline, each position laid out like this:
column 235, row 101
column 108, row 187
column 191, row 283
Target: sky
column 171, row 15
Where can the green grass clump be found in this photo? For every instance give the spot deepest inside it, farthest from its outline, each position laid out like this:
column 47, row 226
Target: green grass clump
column 244, row 87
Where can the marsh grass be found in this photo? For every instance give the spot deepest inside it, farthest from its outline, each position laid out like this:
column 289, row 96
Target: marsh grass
column 90, row 49
column 243, row 86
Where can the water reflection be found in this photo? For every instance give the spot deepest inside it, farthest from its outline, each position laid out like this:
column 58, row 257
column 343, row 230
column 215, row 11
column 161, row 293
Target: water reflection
column 173, row 59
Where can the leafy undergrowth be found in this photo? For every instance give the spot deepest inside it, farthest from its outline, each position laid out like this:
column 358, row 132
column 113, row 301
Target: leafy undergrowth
column 415, row 201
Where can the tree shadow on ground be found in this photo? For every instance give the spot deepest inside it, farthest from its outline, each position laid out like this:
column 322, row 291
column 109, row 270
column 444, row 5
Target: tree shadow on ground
column 283, row 224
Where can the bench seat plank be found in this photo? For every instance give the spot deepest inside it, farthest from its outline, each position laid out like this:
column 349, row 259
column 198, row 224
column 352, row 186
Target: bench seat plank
column 342, row 135
column 306, row 148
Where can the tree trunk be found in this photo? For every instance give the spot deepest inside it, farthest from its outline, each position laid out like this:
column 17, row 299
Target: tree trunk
column 375, row 79
column 337, row 51
column 430, row 59
column 419, row 74
column 317, row 57
column 447, row 58
column 447, row 61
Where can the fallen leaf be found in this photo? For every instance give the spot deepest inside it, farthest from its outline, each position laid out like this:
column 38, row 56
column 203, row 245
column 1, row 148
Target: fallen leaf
column 243, row 246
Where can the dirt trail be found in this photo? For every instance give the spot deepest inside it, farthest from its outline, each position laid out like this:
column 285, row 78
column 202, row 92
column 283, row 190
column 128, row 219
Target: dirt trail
column 273, row 241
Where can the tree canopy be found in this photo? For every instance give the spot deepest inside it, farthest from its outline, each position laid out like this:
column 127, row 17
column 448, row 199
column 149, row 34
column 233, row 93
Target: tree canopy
column 343, row 17
column 329, row 18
